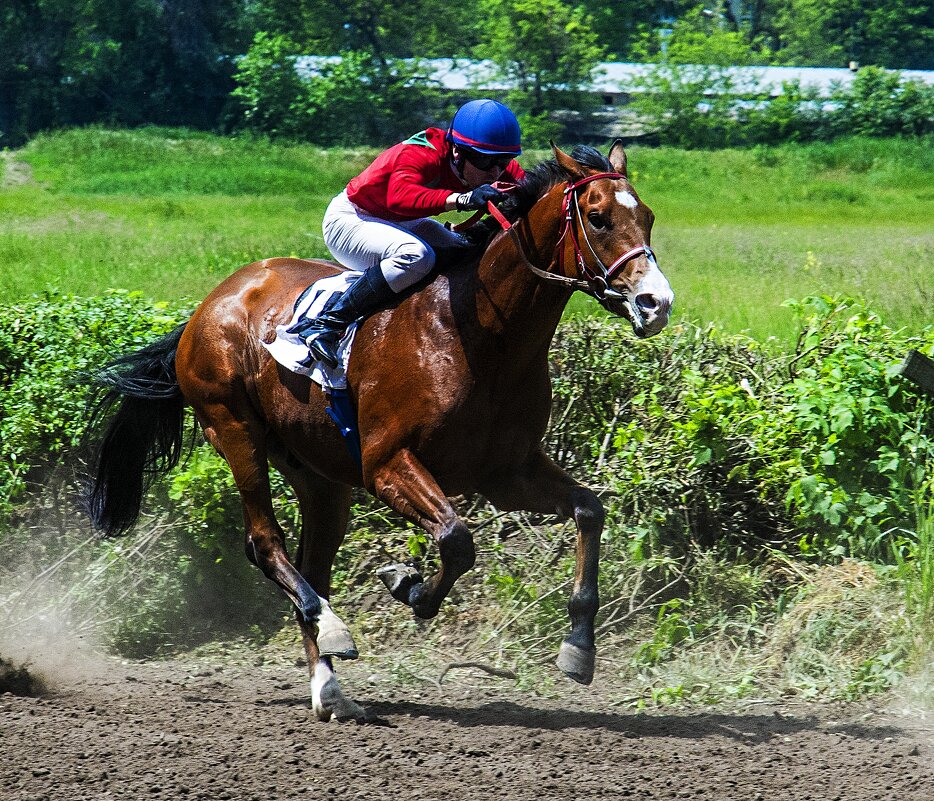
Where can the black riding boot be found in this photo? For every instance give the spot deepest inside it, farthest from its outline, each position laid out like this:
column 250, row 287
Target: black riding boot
column 364, row 296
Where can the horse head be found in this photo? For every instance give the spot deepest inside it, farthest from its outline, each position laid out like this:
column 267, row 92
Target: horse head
column 608, row 229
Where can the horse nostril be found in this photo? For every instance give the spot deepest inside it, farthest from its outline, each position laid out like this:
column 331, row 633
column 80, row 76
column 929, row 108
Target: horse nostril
column 649, row 303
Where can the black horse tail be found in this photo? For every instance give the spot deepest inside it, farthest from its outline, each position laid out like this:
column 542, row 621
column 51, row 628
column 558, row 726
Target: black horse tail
column 137, row 415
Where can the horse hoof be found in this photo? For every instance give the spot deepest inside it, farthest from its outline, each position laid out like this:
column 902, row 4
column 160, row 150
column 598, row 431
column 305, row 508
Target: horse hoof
column 576, row 663
column 423, row 608
column 334, row 638
column 334, row 702
column 399, row 580
column 322, row 713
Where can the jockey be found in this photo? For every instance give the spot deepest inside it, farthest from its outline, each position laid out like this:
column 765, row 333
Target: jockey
column 380, row 224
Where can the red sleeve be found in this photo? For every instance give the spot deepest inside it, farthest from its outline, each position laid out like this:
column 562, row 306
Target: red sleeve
column 408, row 193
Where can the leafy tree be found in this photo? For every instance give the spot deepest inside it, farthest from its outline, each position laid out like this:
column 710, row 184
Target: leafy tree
column 37, row 39
column 354, row 99
column 881, row 103
column 67, row 62
column 273, row 97
column 361, row 100
column 887, row 33
column 618, row 24
column 547, row 47
column 384, row 28
column 698, row 38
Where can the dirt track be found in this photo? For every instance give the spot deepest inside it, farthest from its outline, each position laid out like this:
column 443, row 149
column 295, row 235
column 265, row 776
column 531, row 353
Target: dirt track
column 216, row 730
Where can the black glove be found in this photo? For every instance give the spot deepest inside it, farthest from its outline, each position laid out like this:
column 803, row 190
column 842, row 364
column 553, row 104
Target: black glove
column 478, row 199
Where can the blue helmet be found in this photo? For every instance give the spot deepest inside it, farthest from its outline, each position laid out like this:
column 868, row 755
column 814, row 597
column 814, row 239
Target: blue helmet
column 486, row 126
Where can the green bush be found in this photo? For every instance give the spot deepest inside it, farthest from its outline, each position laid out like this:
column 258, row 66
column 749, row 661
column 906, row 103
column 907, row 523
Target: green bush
column 727, row 469
column 181, row 577
column 715, row 439
column 691, row 105
column 45, row 347
column 880, row 103
column 709, row 450
column 354, row 99
column 272, row 95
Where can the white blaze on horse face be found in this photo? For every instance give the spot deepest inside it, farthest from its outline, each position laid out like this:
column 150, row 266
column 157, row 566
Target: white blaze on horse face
column 626, row 199
column 654, row 296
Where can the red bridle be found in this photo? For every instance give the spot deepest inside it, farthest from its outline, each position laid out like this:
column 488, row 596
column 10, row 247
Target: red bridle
column 599, row 276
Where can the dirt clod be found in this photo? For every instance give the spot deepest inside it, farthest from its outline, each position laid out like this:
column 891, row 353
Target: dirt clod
column 17, row 680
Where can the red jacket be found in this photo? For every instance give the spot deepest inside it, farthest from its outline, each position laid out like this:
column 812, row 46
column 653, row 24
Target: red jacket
column 412, row 179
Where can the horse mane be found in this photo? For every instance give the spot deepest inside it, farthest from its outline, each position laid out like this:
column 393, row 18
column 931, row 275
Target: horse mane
column 542, row 177
column 535, row 184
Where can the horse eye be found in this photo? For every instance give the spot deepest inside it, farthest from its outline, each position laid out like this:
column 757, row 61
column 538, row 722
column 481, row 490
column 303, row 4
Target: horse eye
column 596, row 220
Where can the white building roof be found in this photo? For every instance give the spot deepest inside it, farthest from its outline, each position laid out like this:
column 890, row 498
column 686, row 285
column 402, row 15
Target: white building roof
column 458, row 75
column 617, row 76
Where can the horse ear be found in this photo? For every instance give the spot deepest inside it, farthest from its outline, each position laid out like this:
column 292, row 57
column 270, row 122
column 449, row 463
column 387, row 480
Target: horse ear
column 618, row 156
column 570, row 167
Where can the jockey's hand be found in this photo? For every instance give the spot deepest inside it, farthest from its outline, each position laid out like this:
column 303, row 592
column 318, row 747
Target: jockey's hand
column 479, row 197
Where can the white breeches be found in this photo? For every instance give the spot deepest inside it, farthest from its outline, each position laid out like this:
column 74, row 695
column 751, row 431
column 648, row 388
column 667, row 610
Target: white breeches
column 404, row 251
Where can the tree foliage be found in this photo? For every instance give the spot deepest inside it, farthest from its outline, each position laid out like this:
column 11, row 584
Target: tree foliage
column 696, row 38
column 385, row 28
column 353, row 99
column 71, row 62
column 547, row 48
column 692, row 105
column 885, row 33
column 171, row 62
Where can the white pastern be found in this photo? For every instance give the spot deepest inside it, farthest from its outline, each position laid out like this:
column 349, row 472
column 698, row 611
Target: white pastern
column 320, row 677
column 626, row 199
column 328, row 699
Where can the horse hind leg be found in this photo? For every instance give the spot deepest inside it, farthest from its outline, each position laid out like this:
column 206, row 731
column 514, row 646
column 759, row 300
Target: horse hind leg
column 240, row 439
column 325, row 511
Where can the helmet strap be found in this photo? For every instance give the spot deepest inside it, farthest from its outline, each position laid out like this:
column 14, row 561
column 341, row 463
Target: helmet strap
column 458, row 165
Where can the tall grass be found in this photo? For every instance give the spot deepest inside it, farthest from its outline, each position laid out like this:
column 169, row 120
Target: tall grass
column 738, row 232
column 917, row 568
column 171, row 212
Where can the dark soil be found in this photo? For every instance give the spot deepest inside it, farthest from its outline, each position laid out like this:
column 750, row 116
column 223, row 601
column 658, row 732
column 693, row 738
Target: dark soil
column 214, row 728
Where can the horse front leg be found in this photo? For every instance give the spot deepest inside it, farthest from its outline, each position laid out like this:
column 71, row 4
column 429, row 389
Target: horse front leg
column 407, row 487
column 541, row 486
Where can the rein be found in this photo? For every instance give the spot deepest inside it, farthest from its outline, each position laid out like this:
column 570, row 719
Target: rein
column 596, row 279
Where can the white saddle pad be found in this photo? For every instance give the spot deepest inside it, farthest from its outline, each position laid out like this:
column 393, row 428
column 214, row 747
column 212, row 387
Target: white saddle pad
column 290, row 350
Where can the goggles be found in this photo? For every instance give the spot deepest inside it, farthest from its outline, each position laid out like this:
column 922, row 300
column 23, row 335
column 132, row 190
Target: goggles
column 486, row 161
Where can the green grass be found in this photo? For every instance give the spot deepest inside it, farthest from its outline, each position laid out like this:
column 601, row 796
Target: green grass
column 171, row 212
column 738, row 232
column 167, row 212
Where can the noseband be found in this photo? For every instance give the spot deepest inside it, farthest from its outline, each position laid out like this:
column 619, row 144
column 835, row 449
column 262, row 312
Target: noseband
column 597, row 277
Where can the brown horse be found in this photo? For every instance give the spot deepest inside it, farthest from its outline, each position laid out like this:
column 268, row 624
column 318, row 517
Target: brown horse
column 451, row 388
